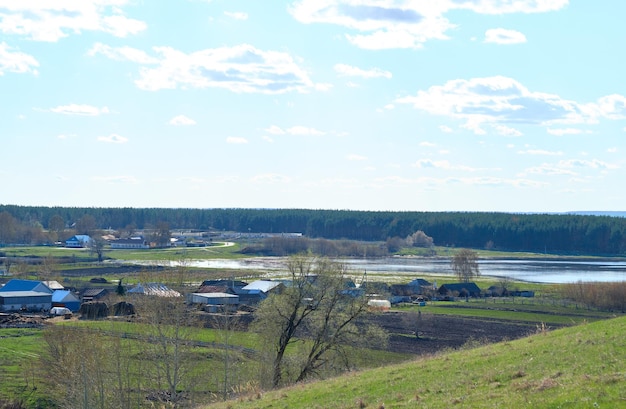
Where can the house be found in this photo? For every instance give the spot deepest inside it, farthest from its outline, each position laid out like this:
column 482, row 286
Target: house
column 460, row 290
column 67, row 299
column 216, row 301
column 94, row 294
column 421, row 285
column 78, row 241
column 25, row 295
column 265, row 286
column 137, row 242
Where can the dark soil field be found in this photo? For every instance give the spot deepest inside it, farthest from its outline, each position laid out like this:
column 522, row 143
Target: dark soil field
column 443, row 332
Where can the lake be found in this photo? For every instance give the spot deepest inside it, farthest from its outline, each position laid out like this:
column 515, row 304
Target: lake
column 540, row 271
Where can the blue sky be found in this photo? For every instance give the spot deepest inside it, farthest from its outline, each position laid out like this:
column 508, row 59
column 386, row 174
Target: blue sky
column 470, row 105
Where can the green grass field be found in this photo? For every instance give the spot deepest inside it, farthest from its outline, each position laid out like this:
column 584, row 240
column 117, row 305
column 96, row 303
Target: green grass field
column 575, row 367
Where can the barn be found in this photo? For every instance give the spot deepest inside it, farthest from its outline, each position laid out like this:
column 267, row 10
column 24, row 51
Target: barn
column 25, row 295
column 67, row 299
column 13, row 301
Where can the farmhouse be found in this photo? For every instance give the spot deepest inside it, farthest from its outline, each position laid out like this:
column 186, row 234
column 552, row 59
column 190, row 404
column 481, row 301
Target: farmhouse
column 460, row 290
column 94, row 294
column 130, row 243
column 78, row 241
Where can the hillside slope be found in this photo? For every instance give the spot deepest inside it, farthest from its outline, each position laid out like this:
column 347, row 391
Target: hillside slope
column 576, row 367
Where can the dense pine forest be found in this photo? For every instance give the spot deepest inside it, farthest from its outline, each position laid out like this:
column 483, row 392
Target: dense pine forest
column 550, row 233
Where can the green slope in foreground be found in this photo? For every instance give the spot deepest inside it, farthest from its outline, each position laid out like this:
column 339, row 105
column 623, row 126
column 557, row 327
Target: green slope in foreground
column 576, row 367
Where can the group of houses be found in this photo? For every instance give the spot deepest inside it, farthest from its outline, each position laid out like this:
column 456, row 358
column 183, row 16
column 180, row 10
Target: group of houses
column 40, row 296
column 19, row 295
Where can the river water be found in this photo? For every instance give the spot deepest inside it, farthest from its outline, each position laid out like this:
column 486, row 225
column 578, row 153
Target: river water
column 541, row 271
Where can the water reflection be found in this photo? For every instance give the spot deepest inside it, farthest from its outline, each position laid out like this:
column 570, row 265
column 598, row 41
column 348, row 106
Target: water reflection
column 541, row 271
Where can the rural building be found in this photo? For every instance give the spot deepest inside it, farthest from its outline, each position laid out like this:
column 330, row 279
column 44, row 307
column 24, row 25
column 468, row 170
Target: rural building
column 78, row 241
column 54, row 285
column 228, row 283
column 215, row 299
column 26, row 285
column 130, row 243
column 94, row 294
column 460, row 290
column 265, row 286
column 156, row 289
column 25, row 301
column 67, row 299
column 25, row 295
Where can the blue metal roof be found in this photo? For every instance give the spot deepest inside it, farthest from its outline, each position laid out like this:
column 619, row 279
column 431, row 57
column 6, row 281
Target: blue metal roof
column 25, row 285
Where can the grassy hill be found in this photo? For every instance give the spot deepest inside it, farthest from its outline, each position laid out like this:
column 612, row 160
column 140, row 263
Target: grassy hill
column 576, row 367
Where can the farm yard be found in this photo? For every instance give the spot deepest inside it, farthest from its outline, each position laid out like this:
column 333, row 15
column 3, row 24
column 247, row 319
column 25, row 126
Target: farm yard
column 414, row 329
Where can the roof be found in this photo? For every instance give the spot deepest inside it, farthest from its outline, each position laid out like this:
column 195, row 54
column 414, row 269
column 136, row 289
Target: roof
column 63, row 295
column 79, row 237
column 470, row 287
column 54, row 285
column 94, row 292
column 421, row 282
column 229, row 283
column 262, row 285
column 212, row 289
column 11, row 294
column 154, row 289
column 25, row 285
column 215, row 295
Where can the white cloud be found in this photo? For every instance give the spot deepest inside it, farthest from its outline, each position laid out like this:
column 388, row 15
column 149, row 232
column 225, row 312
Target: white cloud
column 122, row 54
column 16, row 61
column 441, row 164
column 355, row 157
column 590, row 164
column 237, row 140
column 294, row 130
column 242, row 69
column 116, row 179
column 540, row 152
column 504, row 36
column 181, row 120
column 572, row 167
column 498, row 100
column 351, row 71
column 381, row 24
column 303, row 130
column 80, row 109
column 237, row 15
column 53, row 20
column 506, row 131
column 275, row 130
column 428, row 144
column 445, row 129
column 271, row 178
column 113, row 138
column 564, row 131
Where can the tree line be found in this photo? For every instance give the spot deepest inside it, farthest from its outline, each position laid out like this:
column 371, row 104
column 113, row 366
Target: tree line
column 550, row 233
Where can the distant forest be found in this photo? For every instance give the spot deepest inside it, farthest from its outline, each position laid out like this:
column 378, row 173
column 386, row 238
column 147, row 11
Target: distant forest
column 550, row 233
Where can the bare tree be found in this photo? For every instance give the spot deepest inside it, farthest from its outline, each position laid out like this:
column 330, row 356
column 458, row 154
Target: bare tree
column 420, row 239
column 315, row 308
column 465, row 265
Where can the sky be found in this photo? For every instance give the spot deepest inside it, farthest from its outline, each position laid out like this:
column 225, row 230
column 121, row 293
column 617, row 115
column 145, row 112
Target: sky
column 390, row 105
